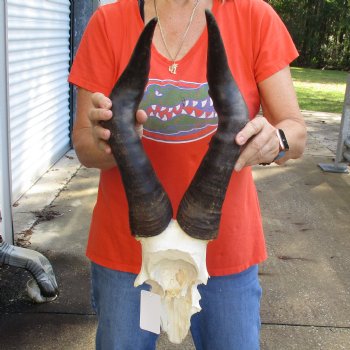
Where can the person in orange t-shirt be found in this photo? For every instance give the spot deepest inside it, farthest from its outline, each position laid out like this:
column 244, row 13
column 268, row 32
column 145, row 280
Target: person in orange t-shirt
column 259, row 50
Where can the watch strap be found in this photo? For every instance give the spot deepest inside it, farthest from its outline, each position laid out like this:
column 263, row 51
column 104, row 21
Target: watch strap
column 280, row 155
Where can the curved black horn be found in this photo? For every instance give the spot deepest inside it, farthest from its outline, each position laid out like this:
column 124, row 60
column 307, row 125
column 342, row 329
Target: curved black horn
column 200, row 209
column 150, row 210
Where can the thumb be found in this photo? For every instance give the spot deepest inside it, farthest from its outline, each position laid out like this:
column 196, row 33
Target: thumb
column 141, row 117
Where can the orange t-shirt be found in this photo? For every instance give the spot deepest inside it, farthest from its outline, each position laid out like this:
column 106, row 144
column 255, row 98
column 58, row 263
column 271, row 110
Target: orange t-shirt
column 181, row 121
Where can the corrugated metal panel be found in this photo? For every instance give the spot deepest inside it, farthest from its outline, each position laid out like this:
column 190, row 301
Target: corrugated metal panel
column 6, row 228
column 38, row 58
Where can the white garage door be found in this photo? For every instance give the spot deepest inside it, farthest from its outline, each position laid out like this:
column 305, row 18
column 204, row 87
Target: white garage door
column 38, row 63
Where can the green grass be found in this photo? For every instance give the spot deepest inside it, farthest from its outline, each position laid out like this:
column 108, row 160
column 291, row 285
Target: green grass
column 320, row 90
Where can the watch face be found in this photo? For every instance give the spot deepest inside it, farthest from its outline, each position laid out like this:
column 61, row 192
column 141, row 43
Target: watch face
column 283, row 139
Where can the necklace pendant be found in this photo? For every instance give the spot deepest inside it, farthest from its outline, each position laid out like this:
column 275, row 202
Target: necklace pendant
column 172, row 68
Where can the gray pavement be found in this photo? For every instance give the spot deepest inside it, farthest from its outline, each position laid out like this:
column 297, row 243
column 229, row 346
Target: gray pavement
column 306, row 280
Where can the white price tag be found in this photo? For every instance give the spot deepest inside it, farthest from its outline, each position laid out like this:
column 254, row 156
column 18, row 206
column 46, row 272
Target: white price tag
column 150, row 312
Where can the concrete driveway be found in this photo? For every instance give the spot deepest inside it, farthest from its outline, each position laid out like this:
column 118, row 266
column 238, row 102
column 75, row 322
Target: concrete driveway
column 306, row 280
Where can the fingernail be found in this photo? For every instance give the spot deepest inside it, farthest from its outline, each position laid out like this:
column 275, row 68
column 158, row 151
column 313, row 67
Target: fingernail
column 107, row 104
column 238, row 167
column 240, row 139
column 108, row 114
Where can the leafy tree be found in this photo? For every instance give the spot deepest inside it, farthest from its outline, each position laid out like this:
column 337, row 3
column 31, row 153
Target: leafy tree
column 320, row 29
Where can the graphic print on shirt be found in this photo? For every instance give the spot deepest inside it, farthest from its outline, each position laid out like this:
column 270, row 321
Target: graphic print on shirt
column 178, row 111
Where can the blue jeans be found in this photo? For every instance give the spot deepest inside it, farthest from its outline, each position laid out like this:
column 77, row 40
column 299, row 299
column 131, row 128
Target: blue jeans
column 229, row 319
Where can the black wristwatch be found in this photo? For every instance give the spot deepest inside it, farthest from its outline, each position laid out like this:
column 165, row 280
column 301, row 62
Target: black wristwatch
column 284, row 146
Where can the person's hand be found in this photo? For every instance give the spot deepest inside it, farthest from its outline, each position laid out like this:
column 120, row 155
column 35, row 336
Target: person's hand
column 102, row 111
column 259, row 141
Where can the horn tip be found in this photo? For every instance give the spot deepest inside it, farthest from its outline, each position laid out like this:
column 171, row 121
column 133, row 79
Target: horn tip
column 153, row 22
column 209, row 15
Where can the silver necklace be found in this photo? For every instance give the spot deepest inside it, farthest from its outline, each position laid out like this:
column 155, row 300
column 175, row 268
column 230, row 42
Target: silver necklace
column 173, row 66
